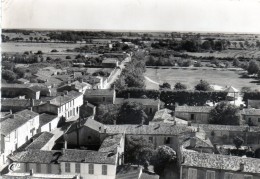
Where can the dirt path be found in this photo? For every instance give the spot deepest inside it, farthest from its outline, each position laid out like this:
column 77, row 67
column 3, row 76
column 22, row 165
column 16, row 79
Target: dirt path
column 151, row 80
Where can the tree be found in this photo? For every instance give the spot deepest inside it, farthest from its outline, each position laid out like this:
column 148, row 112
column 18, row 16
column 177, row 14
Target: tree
column 203, row 86
column 131, row 113
column 225, row 114
column 31, row 39
column 253, row 67
column 180, row 86
column 138, row 150
column 163, row 156
column 236, row 63
column 165, row 86
column 238, row 142
column 107, row 114
column 8, row 75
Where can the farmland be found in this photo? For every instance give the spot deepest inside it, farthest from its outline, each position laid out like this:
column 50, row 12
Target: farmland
column 191, row 76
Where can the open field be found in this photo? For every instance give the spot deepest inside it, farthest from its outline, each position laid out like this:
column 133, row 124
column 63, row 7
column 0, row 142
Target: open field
column 21, row 47
column 191, row 77
column 228, row 53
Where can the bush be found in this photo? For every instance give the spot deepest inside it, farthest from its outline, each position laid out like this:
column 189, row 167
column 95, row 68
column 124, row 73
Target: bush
column 54, row 50
column 203, row 86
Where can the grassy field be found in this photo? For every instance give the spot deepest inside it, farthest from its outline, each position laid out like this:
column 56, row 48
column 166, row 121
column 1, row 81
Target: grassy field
column 191, row 77
column 228, row 53
column 21, row 47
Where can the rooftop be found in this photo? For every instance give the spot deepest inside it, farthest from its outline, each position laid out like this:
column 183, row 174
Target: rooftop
column 212, row 127
column 40, row 141
column 16, row 120
column 128, row 172
column 222, row 162
column 160, row 129
column 110, row 60
column 194, row 109
column 60, row 100
column 138, row 100
column 162, row 115
column 36, row 156
column 87, row 156
column 46, row 118
column 251, row 112
column 99, row 92
column 111, row 143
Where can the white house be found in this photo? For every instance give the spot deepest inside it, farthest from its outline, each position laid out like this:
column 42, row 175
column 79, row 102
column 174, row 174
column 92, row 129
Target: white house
column 15, row 131
column 66, row 105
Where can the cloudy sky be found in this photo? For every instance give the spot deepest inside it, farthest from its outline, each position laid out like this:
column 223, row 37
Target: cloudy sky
column 151, row 15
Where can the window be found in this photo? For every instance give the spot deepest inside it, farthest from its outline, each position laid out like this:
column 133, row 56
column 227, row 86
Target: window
column 104, row 170
column 192, row 116
column 151, row 110
column 248, row 177
column 7, row 138
column 104, row 99
column 192, row 173
column 258, row 119
column 91, row 169
column 89, row 137
column 38, row 168
column 48, row 168
column 228, row 175
column 167, row 140
column 15, row 134
column 67, row 167
column 151, row 139
column 210, row 175
column 77, row 167
column 27, row 167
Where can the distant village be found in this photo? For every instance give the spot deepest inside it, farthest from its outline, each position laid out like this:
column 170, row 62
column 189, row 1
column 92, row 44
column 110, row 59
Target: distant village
column 89, row 115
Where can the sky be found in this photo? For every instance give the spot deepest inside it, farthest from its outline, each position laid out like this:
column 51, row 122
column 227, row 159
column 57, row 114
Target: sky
column 240, row 16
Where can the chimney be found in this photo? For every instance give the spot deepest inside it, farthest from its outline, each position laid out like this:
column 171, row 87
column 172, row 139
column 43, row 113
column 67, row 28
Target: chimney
column 11, row 112
column 66, row 92
column 32, row 102
column 31, row 172
column 65, row 144
column 31, row 109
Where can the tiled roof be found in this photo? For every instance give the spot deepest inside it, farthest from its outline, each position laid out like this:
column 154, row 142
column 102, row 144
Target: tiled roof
column 111, row 143
column 15, row 102
column 110, row 60
column 41, row 141
column 149, row 176
column 60, row 100
column 128, row 172
column 162, row 115
column 18, row 119
column 194, row 109
column 212, row 127
column 87, row 156
column 251, row 112
column 160, row 129
column 222, row 162
column 99, row 92
column 35, row 156
column 46, row 118
column 33, row 87
column 138, row 100
column 93, row 124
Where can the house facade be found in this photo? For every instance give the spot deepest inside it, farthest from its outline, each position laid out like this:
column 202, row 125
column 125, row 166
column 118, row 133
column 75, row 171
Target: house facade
column 195, row 114
column 15, row 131
column 100, row 96
column 251, row 116
column 65, row 106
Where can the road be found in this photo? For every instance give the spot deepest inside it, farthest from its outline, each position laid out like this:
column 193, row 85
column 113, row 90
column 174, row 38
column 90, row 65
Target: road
column 118, row 72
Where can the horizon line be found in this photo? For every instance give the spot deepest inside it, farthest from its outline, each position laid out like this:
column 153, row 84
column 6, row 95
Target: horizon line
column 136, row 31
